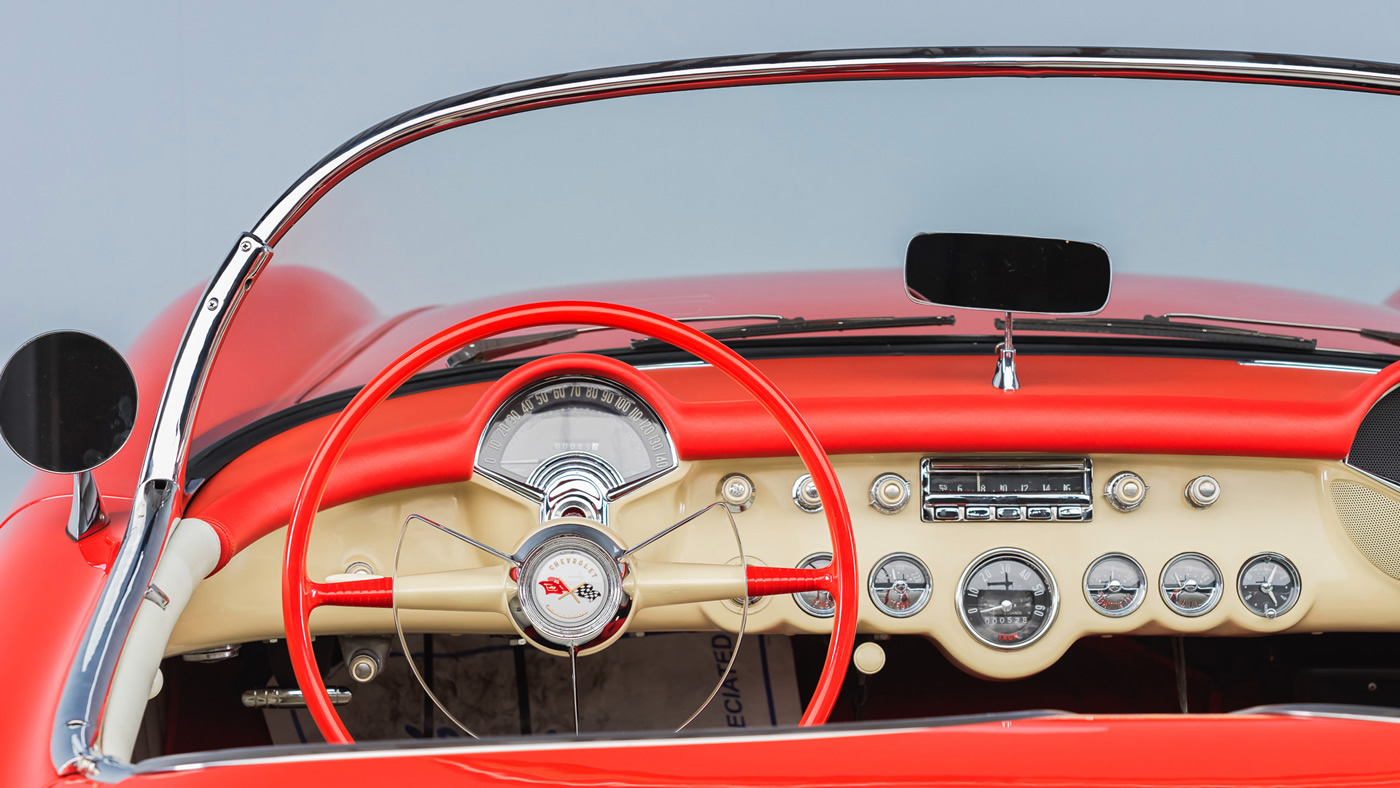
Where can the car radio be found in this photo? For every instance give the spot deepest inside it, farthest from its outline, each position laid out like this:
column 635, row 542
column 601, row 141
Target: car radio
column 1006, row 490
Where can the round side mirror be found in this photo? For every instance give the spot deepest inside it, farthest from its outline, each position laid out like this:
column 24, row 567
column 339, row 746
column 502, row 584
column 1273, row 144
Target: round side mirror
column 67, row 402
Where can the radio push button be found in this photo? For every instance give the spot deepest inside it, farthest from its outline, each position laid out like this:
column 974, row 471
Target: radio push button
column 979, row 512
column 945, row 513
column 1008, row 512
column 1039, row 513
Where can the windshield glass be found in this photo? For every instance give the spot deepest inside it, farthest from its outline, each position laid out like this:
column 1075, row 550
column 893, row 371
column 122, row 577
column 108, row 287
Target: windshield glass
column 1253, row 201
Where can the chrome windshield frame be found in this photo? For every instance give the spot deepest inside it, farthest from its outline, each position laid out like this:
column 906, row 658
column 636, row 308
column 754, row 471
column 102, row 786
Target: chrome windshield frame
column 161, row 496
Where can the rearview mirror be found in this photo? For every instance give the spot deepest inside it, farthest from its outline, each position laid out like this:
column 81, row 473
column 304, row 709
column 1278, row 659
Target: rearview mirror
column 1007, row 273
column 67, row 402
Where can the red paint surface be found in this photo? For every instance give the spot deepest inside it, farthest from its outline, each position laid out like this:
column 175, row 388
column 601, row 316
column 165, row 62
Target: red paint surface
column 49, row 588
column 855, row 405
column 298, row 597
column 1168, row 751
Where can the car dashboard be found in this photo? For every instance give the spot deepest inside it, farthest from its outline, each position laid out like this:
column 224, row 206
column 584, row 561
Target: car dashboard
column 1109, row 497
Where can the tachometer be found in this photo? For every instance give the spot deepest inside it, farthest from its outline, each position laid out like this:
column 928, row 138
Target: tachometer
column 1007, row 598
column 900, row 585
column 553, row 422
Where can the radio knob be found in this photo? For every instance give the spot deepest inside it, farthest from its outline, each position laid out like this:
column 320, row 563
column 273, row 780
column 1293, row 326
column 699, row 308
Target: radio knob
column 805, row 495
column 889, row 493
column 1125, row 491
column 1203, row 491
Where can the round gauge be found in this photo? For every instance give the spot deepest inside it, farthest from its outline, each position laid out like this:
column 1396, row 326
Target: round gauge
column 900, row 585
column 570, row 416
column 1191, row 584
column 1115, row 585
column 1007, row 598
column 1269, row 585
column 816, row 603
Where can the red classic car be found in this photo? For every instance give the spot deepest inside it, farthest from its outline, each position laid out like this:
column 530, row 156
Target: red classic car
column 760, row 436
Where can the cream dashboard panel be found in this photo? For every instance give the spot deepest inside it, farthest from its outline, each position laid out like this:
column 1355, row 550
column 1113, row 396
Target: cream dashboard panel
column 1266, row 505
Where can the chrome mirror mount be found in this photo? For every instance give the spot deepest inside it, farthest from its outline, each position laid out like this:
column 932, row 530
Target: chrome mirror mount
column 1005, row 376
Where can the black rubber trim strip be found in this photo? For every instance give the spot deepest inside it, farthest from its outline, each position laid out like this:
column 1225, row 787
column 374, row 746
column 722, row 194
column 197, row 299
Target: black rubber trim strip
column 210, row 458
column 232, row 757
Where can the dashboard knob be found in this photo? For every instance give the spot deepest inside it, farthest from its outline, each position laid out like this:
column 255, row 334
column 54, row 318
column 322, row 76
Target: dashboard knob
column 1125, row 491
column 805, row 495
column 736, row 490
column 869, row 657
column 889, row 493
column 1203, row 491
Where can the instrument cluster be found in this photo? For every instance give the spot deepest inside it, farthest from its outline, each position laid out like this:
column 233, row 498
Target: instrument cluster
column 1007, row 598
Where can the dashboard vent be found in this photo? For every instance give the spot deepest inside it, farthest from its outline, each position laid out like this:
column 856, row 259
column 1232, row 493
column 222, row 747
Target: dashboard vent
column 1372, row 521
column 1376, row 449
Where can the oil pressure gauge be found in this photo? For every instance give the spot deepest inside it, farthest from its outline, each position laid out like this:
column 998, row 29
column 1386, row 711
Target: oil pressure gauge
column 1115, row 585
column 1269, row 585
column 900, row 585
column 1191, row 584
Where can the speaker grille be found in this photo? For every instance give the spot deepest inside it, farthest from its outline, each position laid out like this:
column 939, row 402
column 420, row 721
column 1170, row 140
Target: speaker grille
column 1376, row 448
column 1372, row 521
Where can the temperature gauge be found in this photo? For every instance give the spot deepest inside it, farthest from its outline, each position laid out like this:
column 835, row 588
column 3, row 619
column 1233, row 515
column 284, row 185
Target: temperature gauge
column 816, row 603
column 1269, row 585
column 1115, row 585
column 1191, row 584
column 900, row 585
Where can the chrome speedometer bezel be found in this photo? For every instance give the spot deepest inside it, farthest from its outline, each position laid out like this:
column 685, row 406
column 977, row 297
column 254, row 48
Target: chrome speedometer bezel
column 1035, row 563
column 611, row 493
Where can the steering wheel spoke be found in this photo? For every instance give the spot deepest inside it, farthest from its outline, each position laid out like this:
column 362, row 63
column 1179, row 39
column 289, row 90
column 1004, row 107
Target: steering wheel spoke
column 660, row 584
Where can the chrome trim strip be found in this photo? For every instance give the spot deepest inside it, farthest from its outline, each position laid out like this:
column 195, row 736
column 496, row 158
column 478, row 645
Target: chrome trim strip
column 160, row 494
column 1321, row 367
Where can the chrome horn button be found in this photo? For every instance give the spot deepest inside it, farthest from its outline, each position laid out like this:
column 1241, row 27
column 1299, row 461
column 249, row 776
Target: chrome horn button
column 570, row 589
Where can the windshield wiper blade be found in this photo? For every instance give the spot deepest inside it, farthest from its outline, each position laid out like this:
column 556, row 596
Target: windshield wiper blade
column 1161, row 327
column 1389, row 337
column 769, row 325
column 798, row 325
column 496, row 347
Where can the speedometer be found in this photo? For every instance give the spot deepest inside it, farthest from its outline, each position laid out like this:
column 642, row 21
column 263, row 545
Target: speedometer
column 575, row 421
column 1007, row 598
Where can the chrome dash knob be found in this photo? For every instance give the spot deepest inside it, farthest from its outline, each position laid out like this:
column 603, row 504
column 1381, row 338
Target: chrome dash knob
column 1203, row 491
column 889, row 493
column 805, row 495
column 1125, row 491
column 736, row 490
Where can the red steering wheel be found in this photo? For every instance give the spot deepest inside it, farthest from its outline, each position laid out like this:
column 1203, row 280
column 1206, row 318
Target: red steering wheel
column 300, row 594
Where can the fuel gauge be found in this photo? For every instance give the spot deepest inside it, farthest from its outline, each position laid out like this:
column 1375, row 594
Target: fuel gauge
column 900, row 585
column 1115, row 585
column 1191, row 584
column 1269, row 585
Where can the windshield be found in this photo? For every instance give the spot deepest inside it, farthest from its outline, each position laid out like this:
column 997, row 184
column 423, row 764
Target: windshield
column 1265, row 202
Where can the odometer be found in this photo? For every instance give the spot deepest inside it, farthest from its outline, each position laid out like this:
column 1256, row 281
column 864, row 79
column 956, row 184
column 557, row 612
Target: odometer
column 1007, row 598
column 559, row 418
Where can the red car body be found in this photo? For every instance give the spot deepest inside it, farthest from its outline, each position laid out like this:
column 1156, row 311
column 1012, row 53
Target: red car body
column 302, row 334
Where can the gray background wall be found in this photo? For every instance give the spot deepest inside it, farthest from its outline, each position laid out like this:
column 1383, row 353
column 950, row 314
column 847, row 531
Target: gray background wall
column 140, row 139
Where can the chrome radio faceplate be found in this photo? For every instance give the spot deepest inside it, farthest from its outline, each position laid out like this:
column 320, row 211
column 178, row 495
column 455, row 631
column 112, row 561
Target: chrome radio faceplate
column 1006, row 490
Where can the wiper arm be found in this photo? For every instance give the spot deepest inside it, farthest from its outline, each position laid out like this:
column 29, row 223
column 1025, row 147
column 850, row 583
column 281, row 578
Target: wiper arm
column 769, row 325
column 1390, row 337
column 798, row 325
column 1161, row 327
column 496, row 347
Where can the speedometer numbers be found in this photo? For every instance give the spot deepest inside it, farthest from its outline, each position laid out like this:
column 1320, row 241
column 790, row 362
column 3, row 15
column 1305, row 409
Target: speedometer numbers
column 1269, row 585
column 1115, row 585
column 1007, row 598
